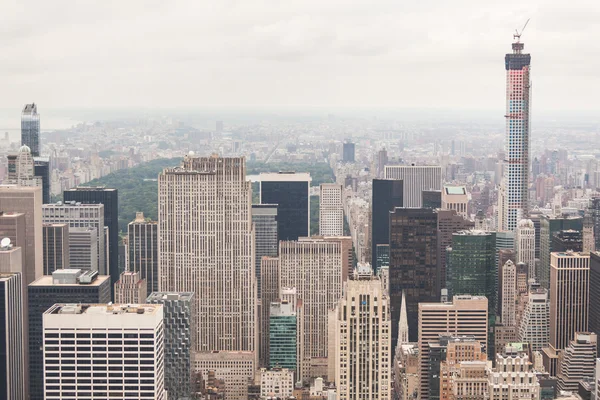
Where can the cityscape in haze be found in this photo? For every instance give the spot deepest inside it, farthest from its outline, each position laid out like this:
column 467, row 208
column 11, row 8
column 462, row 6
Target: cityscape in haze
column 304, row 200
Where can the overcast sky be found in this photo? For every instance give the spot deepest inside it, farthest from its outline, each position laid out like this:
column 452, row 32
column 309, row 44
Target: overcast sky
column 331, row 53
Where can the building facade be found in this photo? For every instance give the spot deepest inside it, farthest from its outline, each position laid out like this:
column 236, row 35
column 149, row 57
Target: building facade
column 416, row 178
column 387, row 195
column 83, row 248
column 525, row 245
column 456, row 198
column 130, row 288
column 534, row 327
column 264, row 218
column 283, row 334
column 594, row 318
column 142, row 246
column 55, row 247
column 578, row 361
column 13, row 346
column 30, row 128
column 331, row 210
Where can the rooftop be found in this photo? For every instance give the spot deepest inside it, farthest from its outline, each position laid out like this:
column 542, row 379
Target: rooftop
column 101, row 188
column 47, row 280
column 285, row 176
column 455, row 190
column 103, row 309
column 155, row 296
column 30, row 109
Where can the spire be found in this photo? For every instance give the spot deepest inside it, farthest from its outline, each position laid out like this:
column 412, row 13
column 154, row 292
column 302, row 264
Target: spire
column 403, row 323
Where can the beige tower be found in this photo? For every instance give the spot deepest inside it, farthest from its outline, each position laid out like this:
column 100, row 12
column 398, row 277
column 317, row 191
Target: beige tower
column 331, row 210
column 206, row 246
column 362, row 339
column 315, row 268
column 130, row 288
column 509, row 294
column 525, row 245
column 455, row 198
column 269, row 272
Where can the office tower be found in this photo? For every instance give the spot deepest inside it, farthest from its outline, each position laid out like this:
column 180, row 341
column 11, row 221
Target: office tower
column 21, row 169
column 30, row 128
column 464, row 316
column 361, row 324
column 347, row 254
column 142, row 248
column 589, row 242
column 276, row 383
column 413, row 264
column 550, row 225
column 382, row 160
column 264, row 218
column 516, row 173
column 448, row 223
column 578, row 361
column 463, row 372
column 348, row 156
column 535, row 324
column 55, row 247
column 269, row 269
column 331, row 210
column 456, row 198
column 110, row 198
column 283, row 332
column 508, row 287
column 78, row 215
column 314, row 266
column 125, row 369
column 236, row 368
column 178, row 311
column 594, row 317
column 472, row 266
column 406, row 368
column 83, row 248
column 387, row 195
column 567, row 240
column 569, row 297
column 513, row 377
column 290, row 191
column 28, row 201
column 209, row 249
column 431, row 198
column 130, row 288
column 525, row 245
column 64, row 286
column 416, row 179
column 594, row 211
column 383, row 257
column 13, row 349
column 41, row 170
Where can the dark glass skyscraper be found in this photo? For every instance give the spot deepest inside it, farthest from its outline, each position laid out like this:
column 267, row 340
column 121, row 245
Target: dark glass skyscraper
column 143, row 250
column 387, row 195
column 550, row 225
column 566, row 240
column 348, row 155
column 264, row 217
column 41, row 168
column 110, row 198
column 414, row 267
column 30, row 128
column 64, row 286
column 290, row 192
column 594, row 318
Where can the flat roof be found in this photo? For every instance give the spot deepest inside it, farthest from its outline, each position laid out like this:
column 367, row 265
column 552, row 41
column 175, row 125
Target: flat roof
column 103, row 309
column 46, row 280
column 455, row 190
column 283, row 176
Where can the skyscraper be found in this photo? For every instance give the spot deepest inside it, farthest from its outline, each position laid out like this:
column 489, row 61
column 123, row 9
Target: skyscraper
column 569, row 297
column 55, row 247
column 30, row 128
column 178, row 311
column 535, row 324
column 455, row 198
column 269, row 269
column 348, row 155
column 549, row 225
column 331, row 210
column 387, row 195
column 78, row 215
column 578, row 361
column 130, row 289
column 264, row 218
column 594, row 319
column 142, row 245
column 21, row 168
column 290, row 191
column 13, row 349
column 83, row 248
column 206, row 246
column 27, row 200
column 64, row 286
column 41, row 169
column 525, row 245
column 508, row 287
column 135, row 366
column 448, row 223
column 516, row 170
column 283, row 335
column 567, row 240
column 416, row 178
column 362, row 339
column 314, row 267
column 110, row 198
column 414, row 268
column 513, row 377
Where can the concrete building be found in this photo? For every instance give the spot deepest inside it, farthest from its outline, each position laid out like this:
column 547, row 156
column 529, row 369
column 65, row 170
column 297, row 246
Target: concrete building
column 525, row 245
column 179, row 337
column 569, row 297
column 135, row 365
column 13, row 337
column 314, row 266
column 264, row 218
column 235, row 368
column 64, row 286
column 508, row 287
column 578, row 361
column 331, row 210
column 28, row 201
column 549, row 225
column 142, row 246
column 210, row 251
column 456, row 198
column 448, row 222
column 594, row 317
column 535, row 324
column 465, row 316
column 463, row 372
column 83, row 248
column 416, row 178
column 276, row 383
column 291, row 192
column 55, row 247
column 283, row 336
column 362, row 339
column 130, row 288
column 270, row 292
column 513, row 377
column 78, row 215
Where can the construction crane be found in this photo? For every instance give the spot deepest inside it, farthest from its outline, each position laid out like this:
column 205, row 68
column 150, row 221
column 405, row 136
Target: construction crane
column 517, row 34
